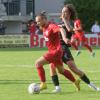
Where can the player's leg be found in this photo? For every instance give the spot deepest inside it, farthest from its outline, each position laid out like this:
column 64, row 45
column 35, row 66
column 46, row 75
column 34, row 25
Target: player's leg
column 85, row 44
column 71, row 64
column 67, row 56
column 55, row 79
column 41, row 72
column 68, row 59
column 69, row 76
column 58, row 62
column 81, row 74
column 48, row 58
column 73, row 43
column 73, row 40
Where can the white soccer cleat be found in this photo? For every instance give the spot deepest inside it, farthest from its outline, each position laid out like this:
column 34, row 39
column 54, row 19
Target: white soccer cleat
column 91, row 85
column 57, row 90
column 98, row 89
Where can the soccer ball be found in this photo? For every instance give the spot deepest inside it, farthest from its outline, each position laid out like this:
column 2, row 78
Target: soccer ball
column 34, row 88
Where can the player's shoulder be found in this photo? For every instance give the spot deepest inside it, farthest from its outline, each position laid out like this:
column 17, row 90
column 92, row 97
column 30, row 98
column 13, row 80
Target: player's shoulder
column 77, row 20
column 53, row 25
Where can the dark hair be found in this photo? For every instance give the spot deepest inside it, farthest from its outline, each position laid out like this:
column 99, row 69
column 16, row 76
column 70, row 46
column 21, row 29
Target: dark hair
column 72, row 10
column 43, row 12
column 42, row 15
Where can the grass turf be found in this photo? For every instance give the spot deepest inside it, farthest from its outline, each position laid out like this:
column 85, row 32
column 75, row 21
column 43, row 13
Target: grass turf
column 17, row 71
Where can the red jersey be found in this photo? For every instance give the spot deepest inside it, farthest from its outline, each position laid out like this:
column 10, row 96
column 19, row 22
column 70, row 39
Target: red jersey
column 77, row 24
column 51, row 35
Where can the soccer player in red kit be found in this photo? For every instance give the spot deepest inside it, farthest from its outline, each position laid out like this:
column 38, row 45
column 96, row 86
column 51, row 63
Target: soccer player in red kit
column 79, row 36
column 54, row 54
column 31, row 27
column 32, row 30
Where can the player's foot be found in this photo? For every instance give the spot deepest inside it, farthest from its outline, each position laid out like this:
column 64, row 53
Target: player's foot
column 43, row 86
column 98, row 89
column 93, row 54
column 91, row 85
column 56, row 90
column 77, row 84
column 78, row 52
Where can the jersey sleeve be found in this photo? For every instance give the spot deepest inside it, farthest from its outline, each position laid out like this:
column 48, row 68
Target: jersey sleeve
column 55, row 28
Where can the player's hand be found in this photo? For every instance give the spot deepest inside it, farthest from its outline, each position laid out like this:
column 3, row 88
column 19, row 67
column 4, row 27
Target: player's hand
column 68, row 41
column 63, row 17
column 74, row 29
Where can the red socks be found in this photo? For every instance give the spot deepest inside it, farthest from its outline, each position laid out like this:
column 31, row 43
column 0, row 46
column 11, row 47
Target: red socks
column 69, row 75
column 41, row 73
column 88, row 47
column 42, row 77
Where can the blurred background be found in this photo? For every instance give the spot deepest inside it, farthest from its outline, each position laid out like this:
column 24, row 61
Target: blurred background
column 17, row 16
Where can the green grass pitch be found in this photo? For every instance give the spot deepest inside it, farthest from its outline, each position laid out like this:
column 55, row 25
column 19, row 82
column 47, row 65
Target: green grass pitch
column 17, row 71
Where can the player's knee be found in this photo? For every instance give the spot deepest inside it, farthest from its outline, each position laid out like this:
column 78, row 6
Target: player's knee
column 71, row 64
column 76, row 70
column 61, row 71
column 37, row 63
column 72, row 67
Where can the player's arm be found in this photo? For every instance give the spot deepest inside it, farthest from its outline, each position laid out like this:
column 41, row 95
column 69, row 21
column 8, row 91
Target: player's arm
column 63, row 34
column 68, row 26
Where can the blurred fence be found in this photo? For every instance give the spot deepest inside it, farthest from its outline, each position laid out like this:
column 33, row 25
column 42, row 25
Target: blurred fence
column 14, row 7
column 14, row 41
column 38, row 40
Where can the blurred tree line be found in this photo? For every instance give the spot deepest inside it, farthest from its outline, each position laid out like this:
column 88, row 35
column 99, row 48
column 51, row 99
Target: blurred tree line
column 88, row 11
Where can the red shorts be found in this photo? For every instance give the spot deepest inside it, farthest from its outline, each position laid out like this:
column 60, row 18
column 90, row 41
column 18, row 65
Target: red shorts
column 54, row 57
column 79, row 37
